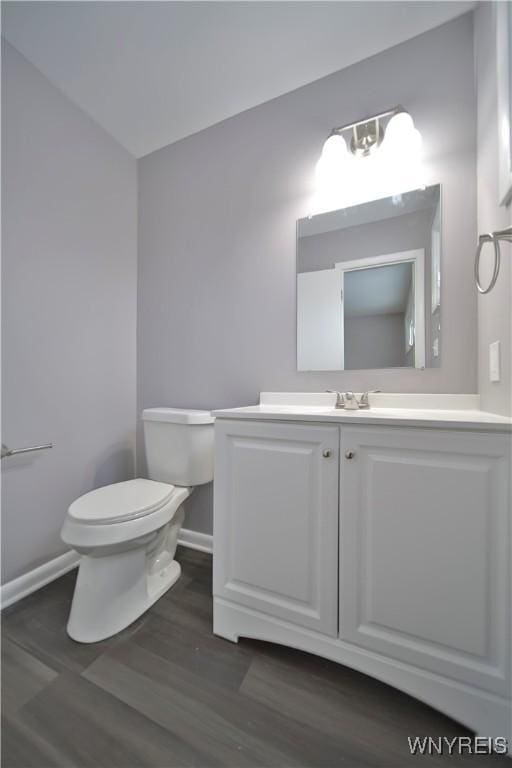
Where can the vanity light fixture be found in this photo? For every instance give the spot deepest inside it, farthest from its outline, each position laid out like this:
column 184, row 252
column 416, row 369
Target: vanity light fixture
column 375, row 157
column 366, row 136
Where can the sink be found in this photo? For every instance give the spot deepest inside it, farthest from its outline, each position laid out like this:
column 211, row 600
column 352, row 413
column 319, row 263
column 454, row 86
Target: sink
column 392, row 408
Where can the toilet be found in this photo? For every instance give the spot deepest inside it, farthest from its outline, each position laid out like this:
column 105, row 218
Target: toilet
column 127, row 533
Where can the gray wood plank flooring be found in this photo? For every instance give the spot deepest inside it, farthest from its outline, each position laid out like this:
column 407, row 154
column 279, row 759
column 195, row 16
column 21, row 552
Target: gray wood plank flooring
column 167, row 693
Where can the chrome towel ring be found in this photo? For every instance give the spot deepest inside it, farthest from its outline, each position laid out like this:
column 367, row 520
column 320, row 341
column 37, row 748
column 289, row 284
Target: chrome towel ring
column 502, row 235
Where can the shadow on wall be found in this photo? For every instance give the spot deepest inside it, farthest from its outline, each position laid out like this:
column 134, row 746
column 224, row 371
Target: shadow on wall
column 20, row 461
column 115, row 464
column 200, row 511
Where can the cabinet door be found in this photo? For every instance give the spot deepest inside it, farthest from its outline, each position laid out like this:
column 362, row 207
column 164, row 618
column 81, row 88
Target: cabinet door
column 423, row 549
column 276, row 520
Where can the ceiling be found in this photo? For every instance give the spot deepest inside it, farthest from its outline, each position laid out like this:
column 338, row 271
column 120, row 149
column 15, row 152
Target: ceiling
column 151, row 72
column 377, row 291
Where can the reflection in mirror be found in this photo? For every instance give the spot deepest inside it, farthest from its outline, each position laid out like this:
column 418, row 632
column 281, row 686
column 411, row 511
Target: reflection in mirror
column 368, row 285
column 379, row 317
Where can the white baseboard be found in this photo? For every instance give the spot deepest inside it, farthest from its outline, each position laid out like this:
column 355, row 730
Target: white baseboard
column 24, row 585
column 195, row 540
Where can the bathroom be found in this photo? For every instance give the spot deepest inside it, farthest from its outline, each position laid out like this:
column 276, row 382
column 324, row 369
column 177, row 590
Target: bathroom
column 166, row 170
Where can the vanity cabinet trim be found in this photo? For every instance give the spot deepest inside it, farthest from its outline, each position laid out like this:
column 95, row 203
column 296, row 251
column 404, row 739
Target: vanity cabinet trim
column 488, row 714
column 262, row 559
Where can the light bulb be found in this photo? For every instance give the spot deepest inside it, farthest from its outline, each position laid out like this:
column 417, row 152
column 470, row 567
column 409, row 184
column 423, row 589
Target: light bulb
column 402, row 141
column 330, row 167
column 344, row 179
column 399, row 128
column 414, row 142
column 335, row 148
column 323, row 171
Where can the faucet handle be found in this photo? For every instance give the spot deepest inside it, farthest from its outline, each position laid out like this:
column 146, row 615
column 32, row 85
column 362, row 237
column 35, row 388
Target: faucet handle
column 364, row 401
column 340, row 401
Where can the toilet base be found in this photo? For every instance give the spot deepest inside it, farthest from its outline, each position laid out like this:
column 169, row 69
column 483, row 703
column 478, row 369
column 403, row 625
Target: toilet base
column 111, row 592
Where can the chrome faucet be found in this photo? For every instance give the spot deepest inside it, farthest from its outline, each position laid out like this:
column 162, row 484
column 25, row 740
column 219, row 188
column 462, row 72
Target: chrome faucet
column 340, row 402
column 349, row 401
column 364, row 402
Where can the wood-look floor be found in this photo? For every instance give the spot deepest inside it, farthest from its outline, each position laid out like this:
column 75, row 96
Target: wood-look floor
column 167, row 693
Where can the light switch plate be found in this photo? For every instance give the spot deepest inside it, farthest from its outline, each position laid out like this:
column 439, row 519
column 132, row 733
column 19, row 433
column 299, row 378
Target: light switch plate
column 435, row 347
column 494, row 361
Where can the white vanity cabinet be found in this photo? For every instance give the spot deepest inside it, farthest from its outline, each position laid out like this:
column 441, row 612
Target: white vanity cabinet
column 276, row 520
column 423, row 549
column 383, row 544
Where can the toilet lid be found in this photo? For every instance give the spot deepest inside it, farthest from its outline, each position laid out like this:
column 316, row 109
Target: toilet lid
column 121, row 501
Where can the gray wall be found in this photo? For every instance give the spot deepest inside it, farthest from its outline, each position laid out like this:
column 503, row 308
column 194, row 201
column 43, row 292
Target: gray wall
column 495, row 308
column 400, row 233
column 217, row 213
column 377, row 339
column 69, row 306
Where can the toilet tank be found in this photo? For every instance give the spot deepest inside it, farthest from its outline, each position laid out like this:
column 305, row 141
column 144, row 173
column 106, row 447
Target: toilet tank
column 179, row 445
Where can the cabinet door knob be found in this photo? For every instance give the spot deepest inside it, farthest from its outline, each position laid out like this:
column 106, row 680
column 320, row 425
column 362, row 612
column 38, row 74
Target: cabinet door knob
column 327, row 453
column 349, row 454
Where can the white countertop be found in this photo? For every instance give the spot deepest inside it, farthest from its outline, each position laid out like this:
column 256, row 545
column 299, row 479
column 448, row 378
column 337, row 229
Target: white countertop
column 459, row 411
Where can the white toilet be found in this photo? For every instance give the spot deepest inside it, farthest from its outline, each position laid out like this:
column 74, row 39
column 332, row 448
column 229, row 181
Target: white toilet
column 127, row 532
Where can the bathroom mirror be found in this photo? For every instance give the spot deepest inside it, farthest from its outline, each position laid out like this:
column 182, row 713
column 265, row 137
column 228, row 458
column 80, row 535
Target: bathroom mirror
column 369, row 285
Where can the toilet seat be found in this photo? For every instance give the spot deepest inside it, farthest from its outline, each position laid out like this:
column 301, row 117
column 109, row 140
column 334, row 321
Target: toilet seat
column 121, row 502
column 90, row 523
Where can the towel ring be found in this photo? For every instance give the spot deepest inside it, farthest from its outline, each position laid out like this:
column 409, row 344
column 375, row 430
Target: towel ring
column 494, row 238
column 497, row 255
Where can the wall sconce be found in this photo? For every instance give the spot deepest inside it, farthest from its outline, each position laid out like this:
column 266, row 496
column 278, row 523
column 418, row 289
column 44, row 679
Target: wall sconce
column 376, row 157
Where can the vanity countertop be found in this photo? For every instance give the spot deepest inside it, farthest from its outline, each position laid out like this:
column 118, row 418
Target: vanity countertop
column 429, row 411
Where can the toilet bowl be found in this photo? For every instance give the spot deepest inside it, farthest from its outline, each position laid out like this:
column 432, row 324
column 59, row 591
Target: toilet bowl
column 127, row 532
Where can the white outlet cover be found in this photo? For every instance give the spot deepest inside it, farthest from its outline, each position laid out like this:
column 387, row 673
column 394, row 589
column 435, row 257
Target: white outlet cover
column 494, row 361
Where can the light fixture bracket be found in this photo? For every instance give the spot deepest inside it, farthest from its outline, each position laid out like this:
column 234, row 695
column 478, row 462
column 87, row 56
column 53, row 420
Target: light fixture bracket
column 364, row 136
